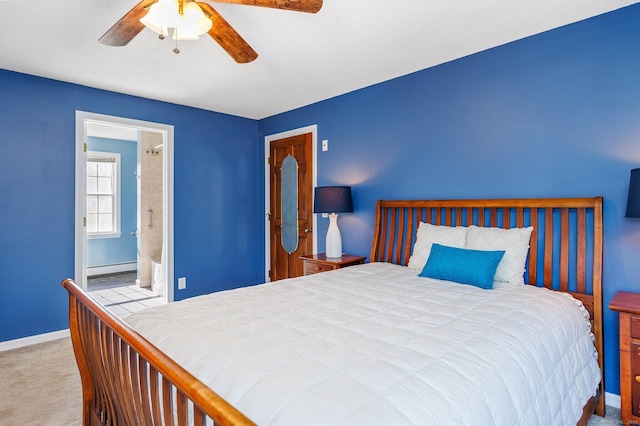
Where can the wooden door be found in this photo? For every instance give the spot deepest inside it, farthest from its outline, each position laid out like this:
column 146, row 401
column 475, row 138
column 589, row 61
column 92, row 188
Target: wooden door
column 284, row 264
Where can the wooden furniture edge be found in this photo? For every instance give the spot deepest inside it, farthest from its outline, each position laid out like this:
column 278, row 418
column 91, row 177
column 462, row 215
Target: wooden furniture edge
column 218, row 409
column 626, row 302
column 321, row 257
column 598, row 320
column 589, row 408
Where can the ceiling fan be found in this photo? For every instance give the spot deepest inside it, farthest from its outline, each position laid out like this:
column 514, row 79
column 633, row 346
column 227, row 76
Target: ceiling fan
column 215, row 25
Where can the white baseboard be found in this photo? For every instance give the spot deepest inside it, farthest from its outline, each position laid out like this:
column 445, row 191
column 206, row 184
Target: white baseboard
column 612, row 400
column 32, row 340
column 111, row 269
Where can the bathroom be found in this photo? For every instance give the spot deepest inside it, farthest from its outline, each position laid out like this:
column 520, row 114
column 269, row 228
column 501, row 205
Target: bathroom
column 125, row 263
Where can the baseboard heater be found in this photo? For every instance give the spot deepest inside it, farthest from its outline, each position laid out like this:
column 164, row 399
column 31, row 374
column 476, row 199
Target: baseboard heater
column 111, row 269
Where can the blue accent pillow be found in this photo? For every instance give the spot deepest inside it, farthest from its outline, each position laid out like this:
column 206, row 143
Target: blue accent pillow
column 475, row 267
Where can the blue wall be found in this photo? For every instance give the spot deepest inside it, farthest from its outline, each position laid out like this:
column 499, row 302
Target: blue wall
column 112, row 251
column 218, row 235
column 554, row 115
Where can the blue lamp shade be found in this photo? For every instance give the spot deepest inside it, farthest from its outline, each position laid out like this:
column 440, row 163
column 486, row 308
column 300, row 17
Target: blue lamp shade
column 633, row 199
column 333, row 199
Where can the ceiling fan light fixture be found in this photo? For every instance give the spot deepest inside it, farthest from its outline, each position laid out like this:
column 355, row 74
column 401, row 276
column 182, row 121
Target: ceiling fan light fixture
column 192, row 23
column 161, row 16
column 181, row 34
column 188, row 25
column 193, row 18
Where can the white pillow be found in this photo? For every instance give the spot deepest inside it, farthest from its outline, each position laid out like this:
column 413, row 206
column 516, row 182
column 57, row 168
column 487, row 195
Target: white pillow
column 452, row 236
column 515, row 243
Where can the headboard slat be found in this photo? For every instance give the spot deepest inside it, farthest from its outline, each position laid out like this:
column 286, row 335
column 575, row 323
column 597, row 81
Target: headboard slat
column 411, row 229
column 533, row 248
column 581, row 266
column 548, row 248
column 392, row 229
column 519, row 217
column 564, row 249
column 401, row 231
column 506, row 218
column 384, row 233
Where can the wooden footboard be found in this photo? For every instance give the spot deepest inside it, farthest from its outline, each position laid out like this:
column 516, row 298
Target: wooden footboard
column 128, row 381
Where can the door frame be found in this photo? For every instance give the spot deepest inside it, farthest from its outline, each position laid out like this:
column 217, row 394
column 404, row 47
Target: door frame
column 82, row 118
column 313, row 129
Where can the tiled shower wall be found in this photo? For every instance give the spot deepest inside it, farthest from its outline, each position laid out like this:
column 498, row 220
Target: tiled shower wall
column 150, row 226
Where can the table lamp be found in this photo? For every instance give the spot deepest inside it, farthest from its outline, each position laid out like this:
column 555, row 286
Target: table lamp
column 633, row 199
column 333, row 200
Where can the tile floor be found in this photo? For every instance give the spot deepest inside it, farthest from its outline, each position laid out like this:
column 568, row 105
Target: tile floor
column 120, row 294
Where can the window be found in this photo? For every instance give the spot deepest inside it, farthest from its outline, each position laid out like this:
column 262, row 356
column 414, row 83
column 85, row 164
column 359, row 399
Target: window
column 103, row 194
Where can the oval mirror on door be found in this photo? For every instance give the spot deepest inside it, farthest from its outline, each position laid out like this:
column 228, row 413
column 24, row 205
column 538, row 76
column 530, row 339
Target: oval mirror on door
column 289, row 194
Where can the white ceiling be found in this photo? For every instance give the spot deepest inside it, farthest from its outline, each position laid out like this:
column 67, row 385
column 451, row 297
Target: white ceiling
column 303, row 58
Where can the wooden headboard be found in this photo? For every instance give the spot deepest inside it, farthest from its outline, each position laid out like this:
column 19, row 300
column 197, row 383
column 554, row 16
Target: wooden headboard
column 565, row 252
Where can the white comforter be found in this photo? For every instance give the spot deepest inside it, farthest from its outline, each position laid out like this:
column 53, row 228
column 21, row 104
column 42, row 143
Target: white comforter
column 375, row 344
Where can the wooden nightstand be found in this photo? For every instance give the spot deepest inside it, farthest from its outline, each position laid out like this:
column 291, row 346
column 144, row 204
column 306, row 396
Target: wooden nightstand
column 628, row 305
column 314, row 263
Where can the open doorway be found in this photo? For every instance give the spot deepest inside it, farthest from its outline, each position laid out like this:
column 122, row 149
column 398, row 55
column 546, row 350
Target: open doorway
column 124, row 211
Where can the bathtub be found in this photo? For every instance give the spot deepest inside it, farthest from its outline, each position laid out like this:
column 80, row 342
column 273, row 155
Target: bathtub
column 157, row 280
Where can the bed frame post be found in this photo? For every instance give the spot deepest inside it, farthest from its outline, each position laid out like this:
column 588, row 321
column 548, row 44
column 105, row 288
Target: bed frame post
column 81, row 361
column 598, row 243
column 376, row 233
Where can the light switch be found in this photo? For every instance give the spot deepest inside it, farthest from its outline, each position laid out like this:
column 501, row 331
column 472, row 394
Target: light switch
column 325, row 144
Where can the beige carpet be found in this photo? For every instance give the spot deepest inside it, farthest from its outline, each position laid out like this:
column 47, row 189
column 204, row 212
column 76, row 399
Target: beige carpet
column 40, row 385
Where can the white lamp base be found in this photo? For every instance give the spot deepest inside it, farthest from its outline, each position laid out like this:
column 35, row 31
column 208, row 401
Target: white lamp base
column 334, row 240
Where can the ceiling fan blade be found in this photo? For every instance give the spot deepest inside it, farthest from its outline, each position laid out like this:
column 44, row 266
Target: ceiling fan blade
column 128, row 26
column 228, row 38
column 310, row 6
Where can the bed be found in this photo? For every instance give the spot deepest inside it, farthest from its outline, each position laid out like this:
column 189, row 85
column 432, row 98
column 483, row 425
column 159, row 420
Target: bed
column 373, row 343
